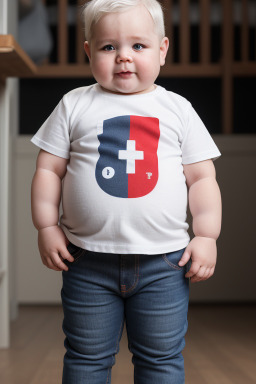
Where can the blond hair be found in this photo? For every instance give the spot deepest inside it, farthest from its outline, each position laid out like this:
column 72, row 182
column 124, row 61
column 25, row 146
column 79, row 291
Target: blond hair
column 95, row 9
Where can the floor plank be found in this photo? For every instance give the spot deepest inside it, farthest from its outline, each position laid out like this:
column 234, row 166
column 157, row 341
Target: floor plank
column 220, row 347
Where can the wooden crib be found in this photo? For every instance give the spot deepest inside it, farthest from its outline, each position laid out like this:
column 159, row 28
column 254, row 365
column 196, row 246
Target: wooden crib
column 221, row 32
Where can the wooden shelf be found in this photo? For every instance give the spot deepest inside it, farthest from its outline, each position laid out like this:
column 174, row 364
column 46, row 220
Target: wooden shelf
column 14, row 62
column 68, row 70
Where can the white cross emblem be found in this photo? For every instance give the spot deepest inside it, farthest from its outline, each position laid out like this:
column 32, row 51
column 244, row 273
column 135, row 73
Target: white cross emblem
column 130, row 154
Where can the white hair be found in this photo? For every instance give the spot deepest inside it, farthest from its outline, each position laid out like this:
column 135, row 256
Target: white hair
column 95, row 9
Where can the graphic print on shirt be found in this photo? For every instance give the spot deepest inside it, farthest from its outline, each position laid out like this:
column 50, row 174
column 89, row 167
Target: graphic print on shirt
column 128, row 162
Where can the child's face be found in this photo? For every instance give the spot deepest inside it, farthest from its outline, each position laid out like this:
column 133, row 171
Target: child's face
column 125, row 51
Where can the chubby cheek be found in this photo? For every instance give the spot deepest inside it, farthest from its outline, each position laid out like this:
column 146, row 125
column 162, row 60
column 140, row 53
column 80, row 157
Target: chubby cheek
column 101, row 69
column 148, row 71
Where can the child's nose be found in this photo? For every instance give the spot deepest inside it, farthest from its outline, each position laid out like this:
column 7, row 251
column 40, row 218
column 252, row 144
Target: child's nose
column 124, row 56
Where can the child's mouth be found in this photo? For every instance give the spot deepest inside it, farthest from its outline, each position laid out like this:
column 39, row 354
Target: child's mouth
column 124, row 74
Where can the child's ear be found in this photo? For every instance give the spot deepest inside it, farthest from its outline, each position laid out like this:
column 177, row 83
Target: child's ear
column 87, row 49
column 163, row 50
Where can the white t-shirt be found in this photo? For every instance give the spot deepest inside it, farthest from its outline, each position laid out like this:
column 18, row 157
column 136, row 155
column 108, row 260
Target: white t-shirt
column 125, row 191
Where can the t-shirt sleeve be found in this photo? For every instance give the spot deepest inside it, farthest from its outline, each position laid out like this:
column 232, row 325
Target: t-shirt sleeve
column 197, row 144
column 53, row 136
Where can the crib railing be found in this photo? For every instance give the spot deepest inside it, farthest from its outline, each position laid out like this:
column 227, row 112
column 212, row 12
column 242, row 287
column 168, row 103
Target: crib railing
column 235, row 44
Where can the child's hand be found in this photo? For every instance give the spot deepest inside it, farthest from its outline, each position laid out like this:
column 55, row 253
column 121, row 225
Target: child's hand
column 203, row 253
column 52, row 244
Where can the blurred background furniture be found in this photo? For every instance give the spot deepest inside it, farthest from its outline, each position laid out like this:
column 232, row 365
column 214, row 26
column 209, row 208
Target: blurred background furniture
column 208, row 39
column 13, row 62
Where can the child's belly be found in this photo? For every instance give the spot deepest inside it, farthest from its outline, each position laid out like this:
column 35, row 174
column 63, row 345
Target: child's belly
column 91, row 213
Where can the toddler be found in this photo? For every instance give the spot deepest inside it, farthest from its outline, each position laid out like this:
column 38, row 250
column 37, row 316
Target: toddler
column 125, row 155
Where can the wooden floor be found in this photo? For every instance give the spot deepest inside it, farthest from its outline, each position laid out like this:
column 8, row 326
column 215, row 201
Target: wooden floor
column 220, row 347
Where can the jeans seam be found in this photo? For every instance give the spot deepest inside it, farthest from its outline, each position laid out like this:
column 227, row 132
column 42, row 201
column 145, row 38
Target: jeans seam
column 170, row 263
column 109, row 369
column 136, row 268
column 117, row 343
column 81, row 252
column 78, row 254
column 119, row 335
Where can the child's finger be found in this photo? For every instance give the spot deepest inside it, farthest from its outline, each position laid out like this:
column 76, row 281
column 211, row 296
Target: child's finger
column 200, row 276
column 201, row 273
column 194, row 279
column 206, row 273
column 193, row 269
column 66, row 255
column 212, row 271
column 185, row 258
column 53, row 267
column 49, row 264
column 56, row 259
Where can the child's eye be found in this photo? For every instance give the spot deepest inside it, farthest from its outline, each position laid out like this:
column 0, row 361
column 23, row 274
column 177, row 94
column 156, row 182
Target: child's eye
column 138, row 47
column 108, row 47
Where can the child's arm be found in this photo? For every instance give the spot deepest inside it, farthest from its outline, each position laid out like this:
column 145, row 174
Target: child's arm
column 205, row 207
column 46, row 195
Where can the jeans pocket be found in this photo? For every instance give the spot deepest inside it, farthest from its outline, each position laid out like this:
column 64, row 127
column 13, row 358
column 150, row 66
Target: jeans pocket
column 76, row 252
column 173, row 258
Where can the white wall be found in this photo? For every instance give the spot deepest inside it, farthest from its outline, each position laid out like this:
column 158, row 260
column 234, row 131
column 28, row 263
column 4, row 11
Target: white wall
column 35, row 283
column 235, row 273
column 234, row 277
column 8, row 126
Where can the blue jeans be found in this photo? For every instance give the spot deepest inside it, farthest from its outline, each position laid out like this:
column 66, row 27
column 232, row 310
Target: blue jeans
column 101, row 291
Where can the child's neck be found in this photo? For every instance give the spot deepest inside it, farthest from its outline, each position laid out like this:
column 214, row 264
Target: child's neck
column 148, row 90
